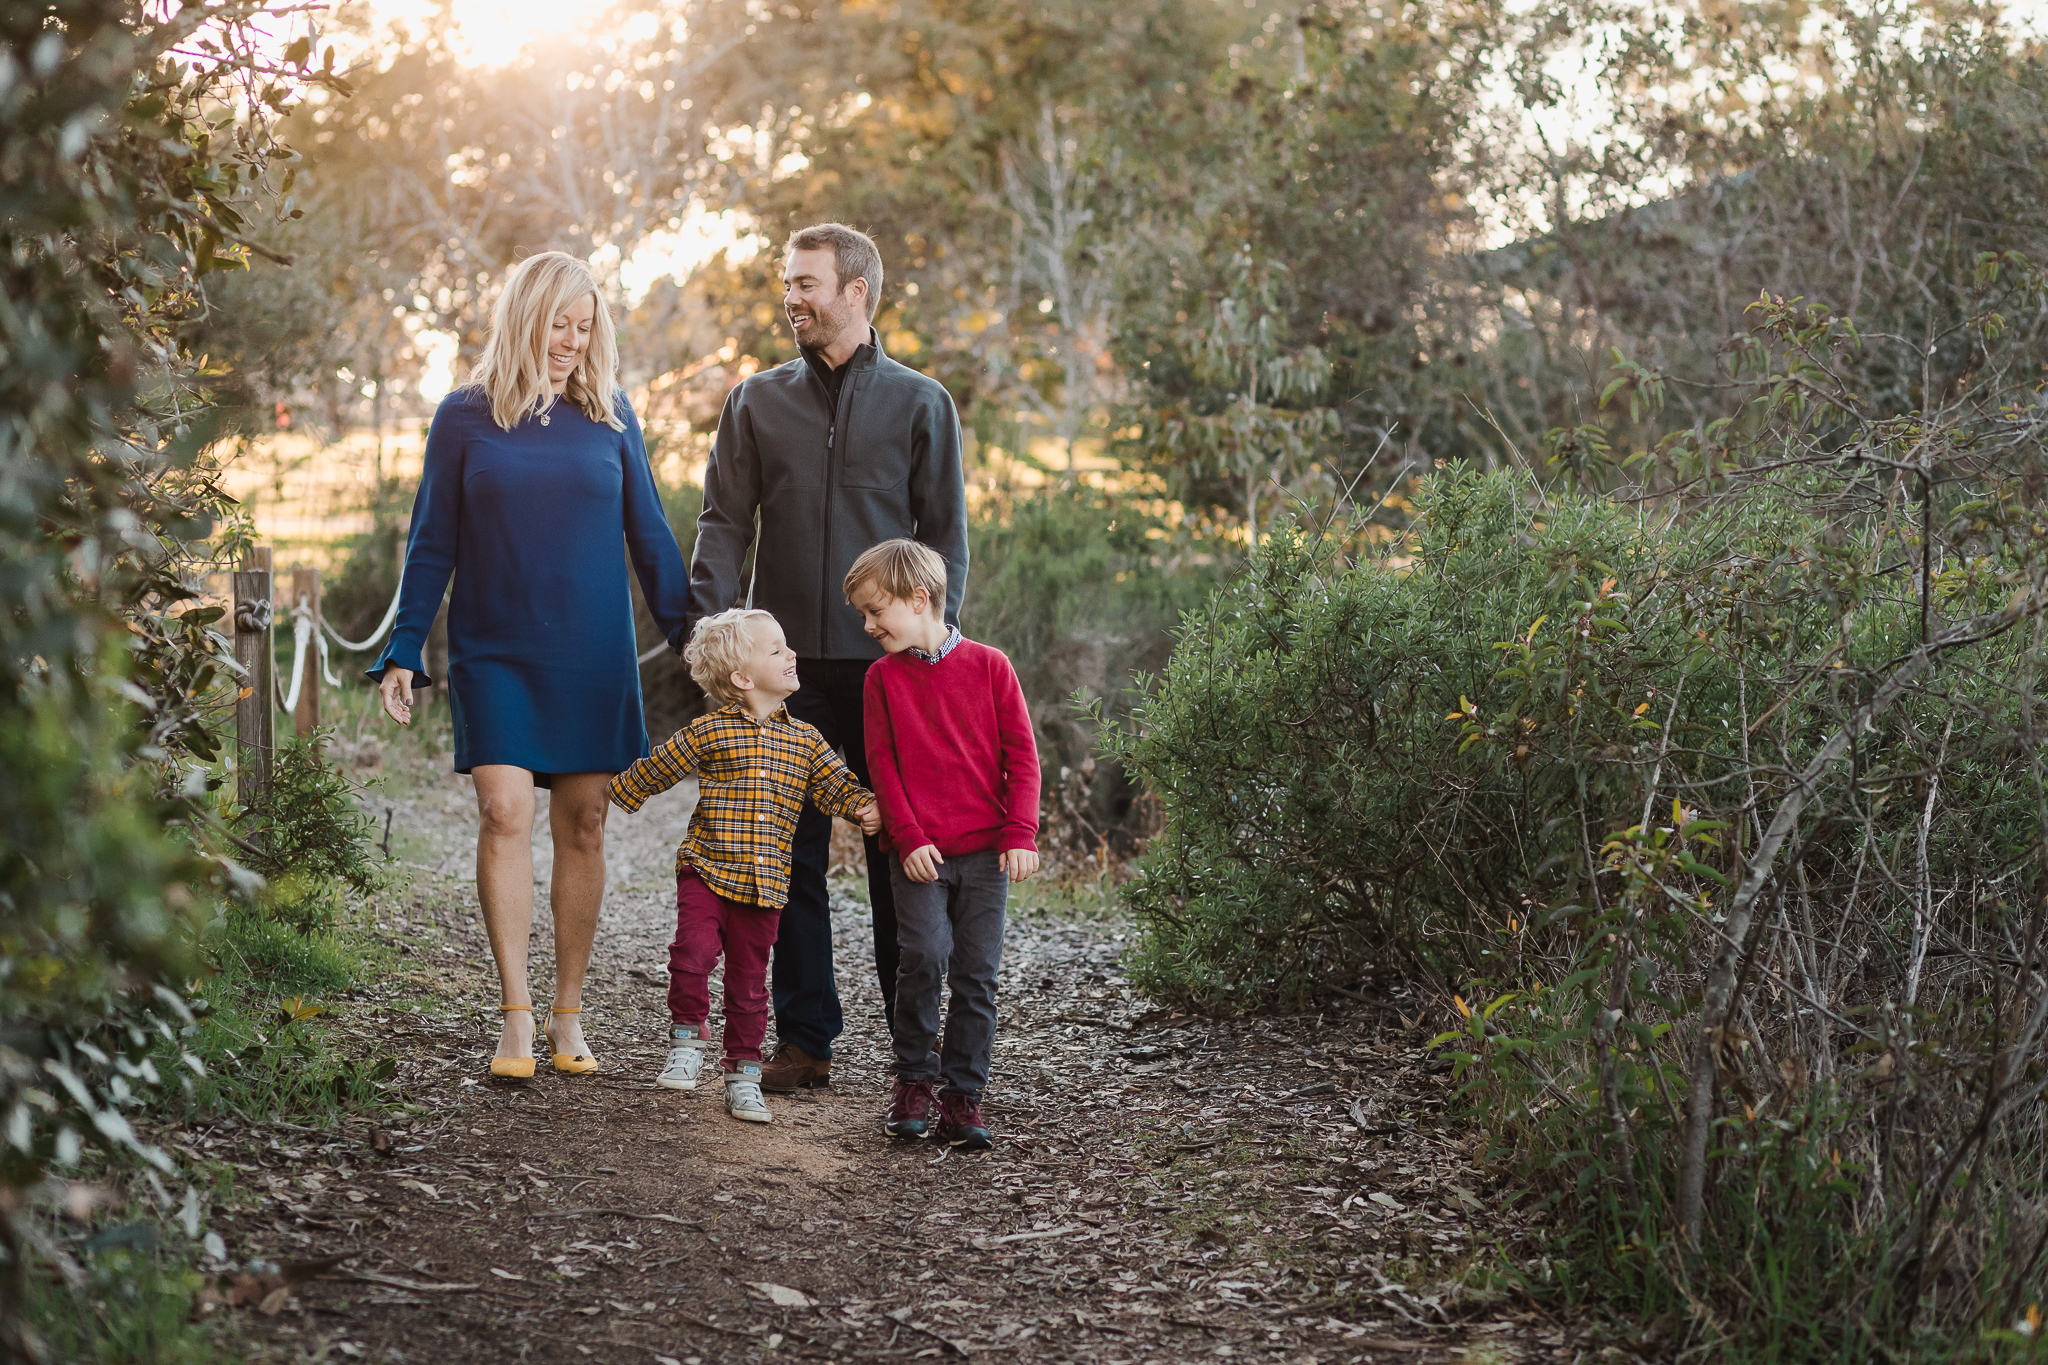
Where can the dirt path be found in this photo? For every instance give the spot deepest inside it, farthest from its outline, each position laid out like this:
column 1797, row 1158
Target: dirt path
column 1162, row 1189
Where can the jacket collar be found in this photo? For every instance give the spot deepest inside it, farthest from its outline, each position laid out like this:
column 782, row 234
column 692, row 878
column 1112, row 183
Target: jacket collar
column 865, row 357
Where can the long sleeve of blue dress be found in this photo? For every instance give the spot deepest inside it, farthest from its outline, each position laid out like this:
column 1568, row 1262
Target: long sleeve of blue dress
column 537, row 525
column 430, row 547
column 657, row 559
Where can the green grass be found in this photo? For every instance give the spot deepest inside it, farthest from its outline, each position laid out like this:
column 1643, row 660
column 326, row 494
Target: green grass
column 257, row 954
column 262, row 1041
column 260, row 1037
column 134, row 1307
column 1087, row 902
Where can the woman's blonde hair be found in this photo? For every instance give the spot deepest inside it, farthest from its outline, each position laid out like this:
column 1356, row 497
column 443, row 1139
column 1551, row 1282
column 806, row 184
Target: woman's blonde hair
column 719, row 647
column 513, row 371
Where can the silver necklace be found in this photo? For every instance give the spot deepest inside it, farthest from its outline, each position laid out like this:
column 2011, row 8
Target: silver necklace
column 547, row 413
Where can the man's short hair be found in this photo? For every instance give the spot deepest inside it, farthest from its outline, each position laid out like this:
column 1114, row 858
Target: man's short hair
column 720, row 647
column 854, row 256
column 898, row 568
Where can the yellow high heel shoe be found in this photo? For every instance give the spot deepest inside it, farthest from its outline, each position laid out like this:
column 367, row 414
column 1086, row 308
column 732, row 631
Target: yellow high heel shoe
column 513, row 1068
column 575, row 1065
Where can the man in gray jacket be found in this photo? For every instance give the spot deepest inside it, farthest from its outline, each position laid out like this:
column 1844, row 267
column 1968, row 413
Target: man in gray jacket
column 833, row 452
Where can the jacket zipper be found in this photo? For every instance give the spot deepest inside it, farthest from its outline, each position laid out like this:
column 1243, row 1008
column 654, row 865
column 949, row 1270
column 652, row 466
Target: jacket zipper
column 832, row 426
column 825, row 560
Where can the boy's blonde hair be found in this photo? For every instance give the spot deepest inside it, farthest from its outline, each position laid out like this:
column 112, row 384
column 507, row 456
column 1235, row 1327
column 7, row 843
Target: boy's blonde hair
column 719, row 647
column 899, row 568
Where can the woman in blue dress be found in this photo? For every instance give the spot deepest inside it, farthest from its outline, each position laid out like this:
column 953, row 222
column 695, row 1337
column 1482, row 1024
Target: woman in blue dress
column 535, row 493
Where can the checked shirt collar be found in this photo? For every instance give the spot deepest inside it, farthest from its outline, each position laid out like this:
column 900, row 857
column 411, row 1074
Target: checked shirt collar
column 952, row 639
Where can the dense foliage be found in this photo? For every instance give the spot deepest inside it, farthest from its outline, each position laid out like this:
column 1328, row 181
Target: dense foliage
column 1680, row 727
column 135, row 154
column 1718, row 814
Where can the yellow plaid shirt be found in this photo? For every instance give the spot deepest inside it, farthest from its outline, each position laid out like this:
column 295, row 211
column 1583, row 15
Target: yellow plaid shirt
column 753, row 777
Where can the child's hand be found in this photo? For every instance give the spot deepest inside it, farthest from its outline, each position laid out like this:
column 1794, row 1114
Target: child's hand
column 870, row 818
column 923, row 865
column 1020, row 863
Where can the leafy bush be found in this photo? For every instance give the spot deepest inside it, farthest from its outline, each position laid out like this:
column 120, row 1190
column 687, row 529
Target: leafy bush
column 309, row 837
column 1319, row 811
column 125, row 1304
column 1716, row 816
column 138, row 186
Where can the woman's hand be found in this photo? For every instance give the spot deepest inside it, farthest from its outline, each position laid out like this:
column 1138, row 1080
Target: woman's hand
column 922, row 865
column 396, row 689
column 1020, row 863
column 870, row 818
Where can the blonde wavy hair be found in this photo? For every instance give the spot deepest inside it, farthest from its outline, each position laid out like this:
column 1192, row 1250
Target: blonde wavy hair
column 721, row 646
column 513, row 371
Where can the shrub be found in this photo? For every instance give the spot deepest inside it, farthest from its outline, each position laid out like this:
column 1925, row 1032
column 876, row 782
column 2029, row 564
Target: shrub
column 309, row 837
column 1715, row 816
column 1318, row 812
column 143, row 187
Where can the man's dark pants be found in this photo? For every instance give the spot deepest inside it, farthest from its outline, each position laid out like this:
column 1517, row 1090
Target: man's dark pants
column 806, row 996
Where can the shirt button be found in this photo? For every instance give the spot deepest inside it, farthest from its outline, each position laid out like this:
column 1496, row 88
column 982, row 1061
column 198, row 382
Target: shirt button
column 760, row 860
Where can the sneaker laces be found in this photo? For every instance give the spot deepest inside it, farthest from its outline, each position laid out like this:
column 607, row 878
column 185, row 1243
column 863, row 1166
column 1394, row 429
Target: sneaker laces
column 960, row 1111
column 913, row 1100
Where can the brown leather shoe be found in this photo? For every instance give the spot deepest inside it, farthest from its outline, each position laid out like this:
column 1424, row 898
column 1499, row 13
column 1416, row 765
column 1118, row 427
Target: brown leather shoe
column 792, row 1068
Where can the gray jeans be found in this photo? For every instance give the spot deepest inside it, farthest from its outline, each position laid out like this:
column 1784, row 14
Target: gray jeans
column 950, row 928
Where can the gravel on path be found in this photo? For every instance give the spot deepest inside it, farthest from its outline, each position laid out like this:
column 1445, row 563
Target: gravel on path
column 1163, row 1188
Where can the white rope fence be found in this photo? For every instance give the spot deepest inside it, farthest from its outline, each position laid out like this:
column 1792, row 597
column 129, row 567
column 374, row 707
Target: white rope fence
column 390, row 615
column 310, row 632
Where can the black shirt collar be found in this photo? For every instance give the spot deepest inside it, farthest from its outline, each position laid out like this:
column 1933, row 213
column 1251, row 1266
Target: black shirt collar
column 834, row 380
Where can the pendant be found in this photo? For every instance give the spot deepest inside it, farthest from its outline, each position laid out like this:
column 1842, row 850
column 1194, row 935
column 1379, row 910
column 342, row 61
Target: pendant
column 544, row 418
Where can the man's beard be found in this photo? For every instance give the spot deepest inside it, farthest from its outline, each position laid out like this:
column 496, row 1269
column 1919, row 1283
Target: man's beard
column 822, row 332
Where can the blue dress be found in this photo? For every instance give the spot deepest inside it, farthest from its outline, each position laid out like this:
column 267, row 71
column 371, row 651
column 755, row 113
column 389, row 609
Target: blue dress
column 536, row 524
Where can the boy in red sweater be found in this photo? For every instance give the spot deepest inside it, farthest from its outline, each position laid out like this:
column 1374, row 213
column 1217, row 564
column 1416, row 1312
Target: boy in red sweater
column 955, row 769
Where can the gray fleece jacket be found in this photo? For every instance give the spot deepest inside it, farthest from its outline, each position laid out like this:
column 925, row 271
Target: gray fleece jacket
column 827, row 484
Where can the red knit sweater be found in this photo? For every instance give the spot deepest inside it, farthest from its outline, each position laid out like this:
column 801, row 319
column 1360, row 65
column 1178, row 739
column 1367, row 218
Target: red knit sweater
column 950, row 752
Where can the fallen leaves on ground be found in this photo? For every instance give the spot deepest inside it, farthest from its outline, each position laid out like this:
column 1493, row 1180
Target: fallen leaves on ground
column 1161, row 1186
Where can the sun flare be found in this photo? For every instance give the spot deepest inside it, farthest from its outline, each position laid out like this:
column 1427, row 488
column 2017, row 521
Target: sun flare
column 494, row 32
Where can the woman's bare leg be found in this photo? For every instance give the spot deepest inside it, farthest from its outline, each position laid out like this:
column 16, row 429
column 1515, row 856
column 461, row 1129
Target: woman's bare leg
column 576, row 811
column 504, row 885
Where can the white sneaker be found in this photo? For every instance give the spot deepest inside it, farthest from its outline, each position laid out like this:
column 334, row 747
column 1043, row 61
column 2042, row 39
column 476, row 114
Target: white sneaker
column 685, row 1062
column 743, row 1094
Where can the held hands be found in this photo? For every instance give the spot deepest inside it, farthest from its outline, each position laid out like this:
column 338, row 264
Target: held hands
column 396, row 689
column 1020, row 863
column 923, row 864
column 869, row 819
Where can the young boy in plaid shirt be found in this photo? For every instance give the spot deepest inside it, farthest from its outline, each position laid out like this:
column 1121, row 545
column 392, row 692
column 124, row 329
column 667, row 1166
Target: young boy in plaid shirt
column 755, row 768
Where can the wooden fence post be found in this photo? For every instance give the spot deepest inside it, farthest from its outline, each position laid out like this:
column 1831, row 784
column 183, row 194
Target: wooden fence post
column 255, row 734
column 306, row 588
